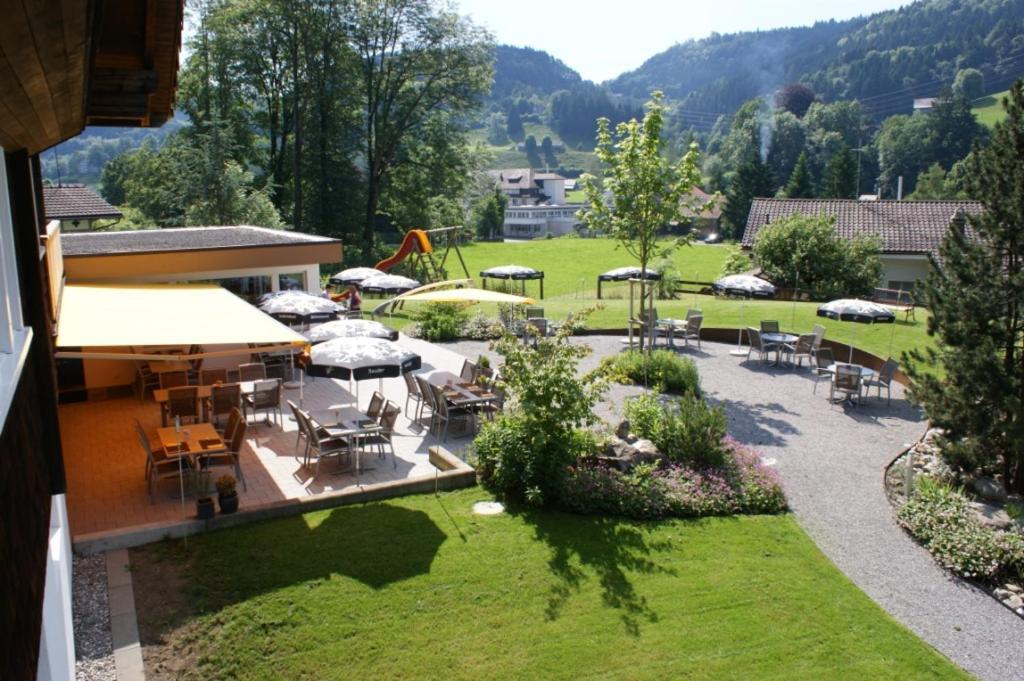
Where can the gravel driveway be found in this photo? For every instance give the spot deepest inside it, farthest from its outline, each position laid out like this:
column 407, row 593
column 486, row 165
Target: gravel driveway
column 831, row 460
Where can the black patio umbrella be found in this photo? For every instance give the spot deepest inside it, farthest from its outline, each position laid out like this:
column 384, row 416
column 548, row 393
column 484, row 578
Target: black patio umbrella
column 860, row 311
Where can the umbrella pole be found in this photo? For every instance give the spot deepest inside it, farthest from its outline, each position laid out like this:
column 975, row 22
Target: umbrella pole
column 738, row 352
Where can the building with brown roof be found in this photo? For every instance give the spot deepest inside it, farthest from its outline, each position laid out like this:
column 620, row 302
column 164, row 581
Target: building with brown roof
column 78, row 207
column 910, row 231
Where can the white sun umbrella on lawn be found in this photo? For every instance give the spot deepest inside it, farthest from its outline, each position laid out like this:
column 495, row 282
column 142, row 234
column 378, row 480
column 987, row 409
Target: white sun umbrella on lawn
column 360, row 359
column 388, row 283
column 350, row 328
column 744, row 286
column 354, row 275
column 860, row 311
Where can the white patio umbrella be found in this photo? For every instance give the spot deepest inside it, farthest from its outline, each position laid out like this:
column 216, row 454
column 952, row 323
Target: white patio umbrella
column 743, row 286
column 860, row 311
column 350, row 328
column 627, row 273
column 297, row 303
column 359, row 359
column 354, row 275
column 388, row 283
column 511, row 272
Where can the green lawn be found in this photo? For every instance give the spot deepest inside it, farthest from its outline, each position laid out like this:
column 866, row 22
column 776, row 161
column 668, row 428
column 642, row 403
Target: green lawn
column 571, row 267
column 420, row 588
column 989, row 110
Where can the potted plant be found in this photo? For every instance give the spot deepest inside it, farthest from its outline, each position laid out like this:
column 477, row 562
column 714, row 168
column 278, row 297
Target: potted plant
column 227, row 497
column 204, row 507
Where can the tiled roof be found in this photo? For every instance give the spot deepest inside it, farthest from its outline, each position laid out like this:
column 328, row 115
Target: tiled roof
column 904, row 226
column 75, row 202
column 521, row 178
column 701, row 199
column 182, row 239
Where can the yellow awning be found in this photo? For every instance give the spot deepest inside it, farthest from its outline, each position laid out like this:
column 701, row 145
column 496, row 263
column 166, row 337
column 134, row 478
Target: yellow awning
column 98, row 316
column 467, row 295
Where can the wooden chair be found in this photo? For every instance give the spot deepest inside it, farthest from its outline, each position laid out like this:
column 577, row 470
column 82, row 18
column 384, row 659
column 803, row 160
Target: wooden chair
column 173, row 379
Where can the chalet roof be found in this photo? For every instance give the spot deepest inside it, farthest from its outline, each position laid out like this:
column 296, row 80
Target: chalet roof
column 76, row 202
column 905, row 227
column 182, row 239
column 521, row 178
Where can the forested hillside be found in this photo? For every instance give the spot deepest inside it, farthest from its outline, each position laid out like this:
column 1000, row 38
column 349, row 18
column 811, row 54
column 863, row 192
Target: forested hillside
column 884, row 60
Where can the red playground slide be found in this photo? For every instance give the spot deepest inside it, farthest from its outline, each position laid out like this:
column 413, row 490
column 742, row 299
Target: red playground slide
column 415, row 241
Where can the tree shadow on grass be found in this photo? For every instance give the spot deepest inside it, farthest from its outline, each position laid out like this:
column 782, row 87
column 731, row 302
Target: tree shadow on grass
column 376, row 545
column 610, row 547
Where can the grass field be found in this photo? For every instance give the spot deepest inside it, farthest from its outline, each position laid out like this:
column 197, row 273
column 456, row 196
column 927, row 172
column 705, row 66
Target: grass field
column 989, row 110
column 571, row 267
column 420, row 588
column 505, row 156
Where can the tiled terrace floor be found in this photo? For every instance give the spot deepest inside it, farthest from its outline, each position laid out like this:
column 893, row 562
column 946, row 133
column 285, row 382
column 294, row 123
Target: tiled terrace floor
column 105, row 464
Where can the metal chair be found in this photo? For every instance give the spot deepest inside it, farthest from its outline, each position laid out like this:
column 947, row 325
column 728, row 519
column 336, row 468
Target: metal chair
column 693, row 312
column 223, row 399
column 823, row 360
column 182, row 403
column 159, row 466
column 758, row 345
column 266, row 397
column 446, row 413
column 692, row 331
column 232, row 456
column 847, row 382
column 534, row 312
column 413, row 395
column 252, row 371
column 382, row 437
column 317, row 447
column 883, row 380
column 211, row 376
column 173, row 379
column 769, row 326
column 428, row 401
column 469, row 371
column 376, row 406
column 145, row 379
column 803, row 348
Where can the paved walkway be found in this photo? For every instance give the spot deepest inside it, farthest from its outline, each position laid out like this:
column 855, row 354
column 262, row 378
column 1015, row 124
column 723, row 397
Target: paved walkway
column 831, row 460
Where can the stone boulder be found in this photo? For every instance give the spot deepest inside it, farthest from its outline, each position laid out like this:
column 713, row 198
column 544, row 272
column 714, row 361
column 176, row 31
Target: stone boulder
column 989, row 489
column 622, row 430
column 623, row 455
column 991, row 516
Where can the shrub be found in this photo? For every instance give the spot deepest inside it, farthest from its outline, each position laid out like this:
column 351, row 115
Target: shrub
column 940, row 517
column 525, row 454
column 741, row 485
column 663, row 370
column 481, row 327
column 738, row 262
column 685, row 430
column 440, row 321
column 805, row 252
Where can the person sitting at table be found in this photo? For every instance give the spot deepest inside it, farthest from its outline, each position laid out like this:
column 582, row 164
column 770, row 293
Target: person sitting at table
column 352, row 295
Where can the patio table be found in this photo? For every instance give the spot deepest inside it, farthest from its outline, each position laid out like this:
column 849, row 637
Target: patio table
column 671, row 325
column 203, row 393
column 191, row 442
column 351, row 425
column 780, row 340
column 865, row 372
column 458, row 391
column 162, row 366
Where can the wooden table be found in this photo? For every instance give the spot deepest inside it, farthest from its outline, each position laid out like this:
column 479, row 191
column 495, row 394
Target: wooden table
column 457, row 391
column 203, row 392
column 163, row 366
column 197, row 438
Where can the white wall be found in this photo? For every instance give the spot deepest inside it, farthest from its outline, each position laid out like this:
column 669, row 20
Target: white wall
column 556, row 190
column 903, row 268
column 57, row 642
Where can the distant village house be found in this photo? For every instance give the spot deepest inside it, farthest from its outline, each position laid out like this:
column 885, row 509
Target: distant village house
column 78, row 208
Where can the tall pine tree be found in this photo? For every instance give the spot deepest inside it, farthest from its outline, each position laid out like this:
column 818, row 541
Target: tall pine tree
column 753, row 179
column 840, row 181
column 801, row 184
column 976, row 297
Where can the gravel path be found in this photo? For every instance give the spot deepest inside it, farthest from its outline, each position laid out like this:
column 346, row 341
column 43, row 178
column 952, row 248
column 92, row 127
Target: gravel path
column 831, row 460
column 94, row 647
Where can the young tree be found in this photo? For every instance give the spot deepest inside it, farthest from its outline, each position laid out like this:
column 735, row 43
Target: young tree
column 840, row 180
column 970, row 83
column 931, row 184
column 497, row 130
column 489, row 214
column 976, row 297
column 752, row 180
column 801, row 184
column 416, row 61
column 642, row 191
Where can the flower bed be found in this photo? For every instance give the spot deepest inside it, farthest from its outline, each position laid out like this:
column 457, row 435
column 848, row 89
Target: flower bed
column 743, row 484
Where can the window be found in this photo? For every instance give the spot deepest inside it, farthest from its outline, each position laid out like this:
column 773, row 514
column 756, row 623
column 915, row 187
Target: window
column 14, row 337
column 292, row 282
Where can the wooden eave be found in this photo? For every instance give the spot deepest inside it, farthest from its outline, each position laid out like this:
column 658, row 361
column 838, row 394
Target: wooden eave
column 65, row 64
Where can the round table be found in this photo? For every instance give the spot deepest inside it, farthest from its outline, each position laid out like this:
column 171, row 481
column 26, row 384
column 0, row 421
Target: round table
column 865, row 372
column 779, row 340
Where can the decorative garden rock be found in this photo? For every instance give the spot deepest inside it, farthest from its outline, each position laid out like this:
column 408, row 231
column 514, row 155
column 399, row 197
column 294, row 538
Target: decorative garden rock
column 989, row 489
column 991, row 516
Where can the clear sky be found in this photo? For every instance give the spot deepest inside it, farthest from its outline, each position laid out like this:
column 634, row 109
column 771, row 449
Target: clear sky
column 601, row 39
